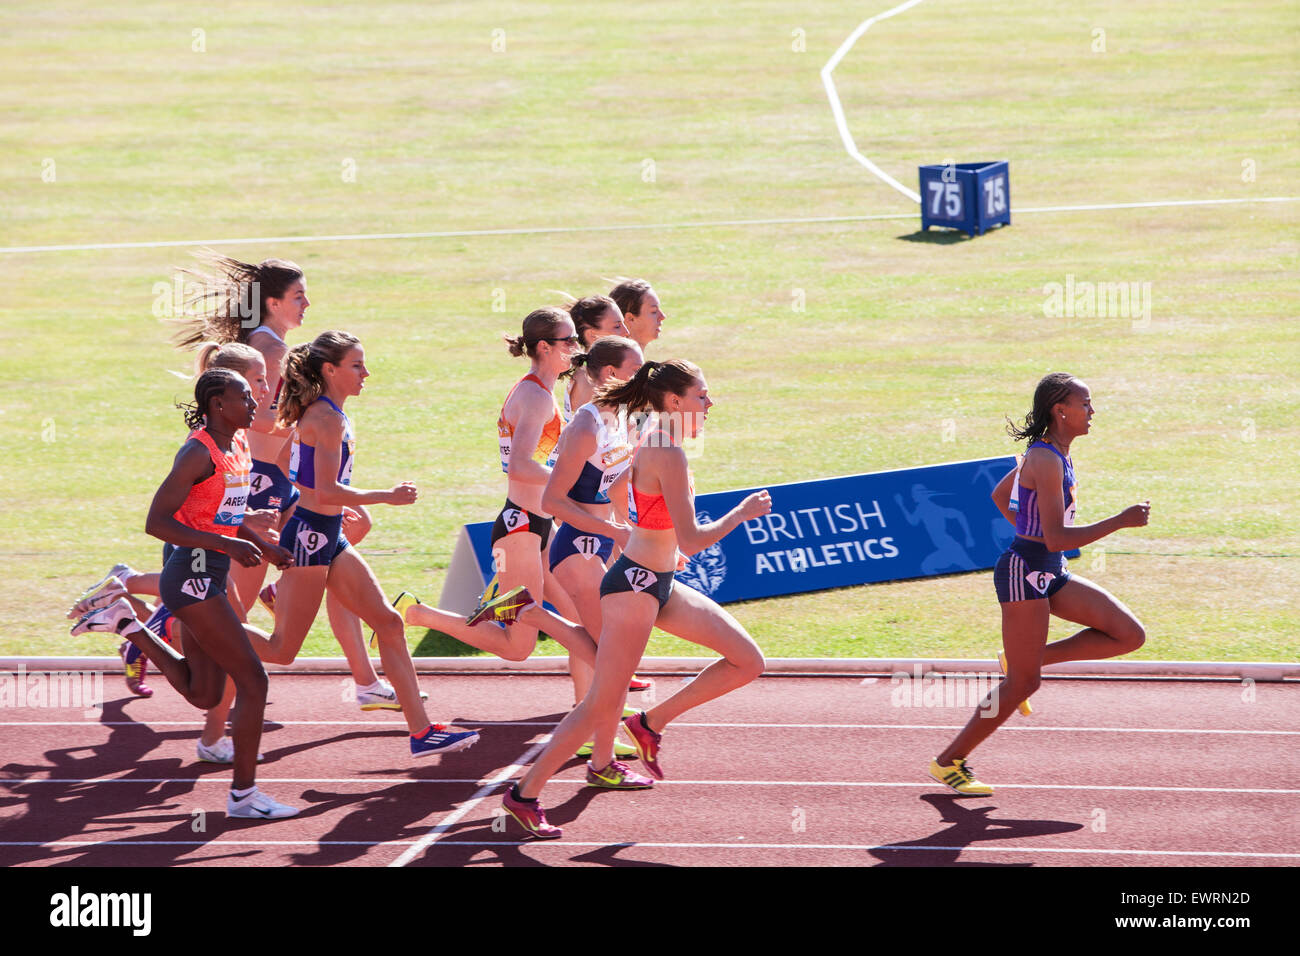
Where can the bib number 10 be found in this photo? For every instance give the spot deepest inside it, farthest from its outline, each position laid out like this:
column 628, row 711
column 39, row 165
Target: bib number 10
column 995, row 196
column 945, row 199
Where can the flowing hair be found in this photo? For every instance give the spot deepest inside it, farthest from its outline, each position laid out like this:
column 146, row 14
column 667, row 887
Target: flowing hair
column 229, row 298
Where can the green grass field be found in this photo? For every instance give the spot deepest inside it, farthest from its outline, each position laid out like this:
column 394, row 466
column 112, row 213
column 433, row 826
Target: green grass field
column 322, row 120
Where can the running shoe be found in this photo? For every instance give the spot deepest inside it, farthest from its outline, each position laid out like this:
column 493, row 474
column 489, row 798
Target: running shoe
column 105, row 592
column 1023, row 706
column 960, row 777
column 639, row 683
column 529, row 814
column 647, row 742
column 137, row 665
column 382, row 697
column 267, row 597
column 257, row 806
column 223, row 751
column 620, row 750
column 439, row 739
column 617, row 776
column 111, row 618
column 503, row 608
column 400, row 604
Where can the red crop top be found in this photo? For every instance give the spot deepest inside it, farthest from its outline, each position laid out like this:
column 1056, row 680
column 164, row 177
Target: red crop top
column 651, row 511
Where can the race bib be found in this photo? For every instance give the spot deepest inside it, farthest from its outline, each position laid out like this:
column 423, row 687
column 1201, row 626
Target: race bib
column 310, row 540
column 231, row 512
column 587, row 545
column 345, row 473
column 1040, row 580
column 197, row 588
column 513, row 519
column 640, row 578
column 259, row 483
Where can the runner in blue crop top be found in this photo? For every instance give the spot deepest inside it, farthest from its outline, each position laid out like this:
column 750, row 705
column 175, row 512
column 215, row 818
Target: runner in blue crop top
column 1039, row 497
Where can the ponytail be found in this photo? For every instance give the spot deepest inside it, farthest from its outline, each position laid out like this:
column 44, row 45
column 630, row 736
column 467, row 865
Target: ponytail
column 650, row 386
column 228, row 301
column 303, row 381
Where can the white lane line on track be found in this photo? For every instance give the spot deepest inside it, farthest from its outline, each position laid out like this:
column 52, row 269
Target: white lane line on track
column 632, row 844
column 679, row 724
column 504, row 775
column 479, row 796
column 635, row 227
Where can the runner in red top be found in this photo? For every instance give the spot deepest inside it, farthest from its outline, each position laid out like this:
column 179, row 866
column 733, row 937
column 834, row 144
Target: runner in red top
column 199, row 509
column 638, row 594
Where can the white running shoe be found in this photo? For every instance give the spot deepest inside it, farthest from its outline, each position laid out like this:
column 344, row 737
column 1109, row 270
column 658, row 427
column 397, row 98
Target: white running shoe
column 110, row 619
column 223, row 751
column 105, row 592
column 257, row 806
column 384, row 698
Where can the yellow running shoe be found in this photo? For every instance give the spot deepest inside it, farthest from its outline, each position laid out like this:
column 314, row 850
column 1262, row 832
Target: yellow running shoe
column 502, row 608
column 1023, row 706
column 400, row 603
column 621, row 750
column 960, row 778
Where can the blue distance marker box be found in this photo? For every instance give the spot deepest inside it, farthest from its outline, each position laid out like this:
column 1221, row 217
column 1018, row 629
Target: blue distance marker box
column 971, row 197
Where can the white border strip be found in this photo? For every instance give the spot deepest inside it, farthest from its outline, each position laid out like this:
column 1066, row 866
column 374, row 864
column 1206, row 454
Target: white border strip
column 394, row 727
column 776, row 666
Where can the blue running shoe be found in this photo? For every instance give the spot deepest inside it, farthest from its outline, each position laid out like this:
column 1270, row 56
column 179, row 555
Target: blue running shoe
column 440, row 739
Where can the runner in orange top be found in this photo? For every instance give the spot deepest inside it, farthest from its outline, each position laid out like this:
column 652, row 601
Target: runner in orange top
column 528, row 430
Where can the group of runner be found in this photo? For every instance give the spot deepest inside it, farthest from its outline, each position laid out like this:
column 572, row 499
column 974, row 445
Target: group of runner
column 264, row 478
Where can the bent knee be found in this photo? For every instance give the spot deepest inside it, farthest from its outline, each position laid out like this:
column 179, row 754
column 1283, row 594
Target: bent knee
column 390, row 629
column 1132, row 636
column 1022, row 685
column 207, row 700
column 751, row 666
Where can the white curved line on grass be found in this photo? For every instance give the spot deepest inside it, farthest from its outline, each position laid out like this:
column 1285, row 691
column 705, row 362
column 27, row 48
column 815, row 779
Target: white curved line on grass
column 838, row 110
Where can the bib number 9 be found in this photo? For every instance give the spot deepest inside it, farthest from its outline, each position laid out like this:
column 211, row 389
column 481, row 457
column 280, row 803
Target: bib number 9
column 310, row 541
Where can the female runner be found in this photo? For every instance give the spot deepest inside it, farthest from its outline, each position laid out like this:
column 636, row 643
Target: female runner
column 199, row 510
column 319, row 378
column 259, row 305
column 587, row 492
column 594, row 318
column 641, row 311
column 638, row 594
column 528, row 430
column 1039, row 497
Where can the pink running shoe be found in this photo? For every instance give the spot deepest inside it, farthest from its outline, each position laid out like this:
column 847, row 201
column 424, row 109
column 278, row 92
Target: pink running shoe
column 135, row 669
column 617, row 776
column 267, row 597
column 530, row 815
column 647, row 743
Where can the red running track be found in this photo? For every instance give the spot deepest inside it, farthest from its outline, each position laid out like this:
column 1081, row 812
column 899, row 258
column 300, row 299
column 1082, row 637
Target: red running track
column 827, row 771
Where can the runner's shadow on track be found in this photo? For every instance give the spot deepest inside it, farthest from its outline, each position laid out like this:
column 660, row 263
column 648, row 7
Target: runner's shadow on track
column 81, row 811
column 967, row 826
column 402, row 811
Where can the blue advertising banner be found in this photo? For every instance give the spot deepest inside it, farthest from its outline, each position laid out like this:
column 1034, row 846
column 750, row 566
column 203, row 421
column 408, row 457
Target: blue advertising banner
column 838, row 532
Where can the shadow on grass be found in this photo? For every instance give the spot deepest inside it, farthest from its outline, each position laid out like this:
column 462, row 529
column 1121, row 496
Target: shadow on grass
column 937, row 237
